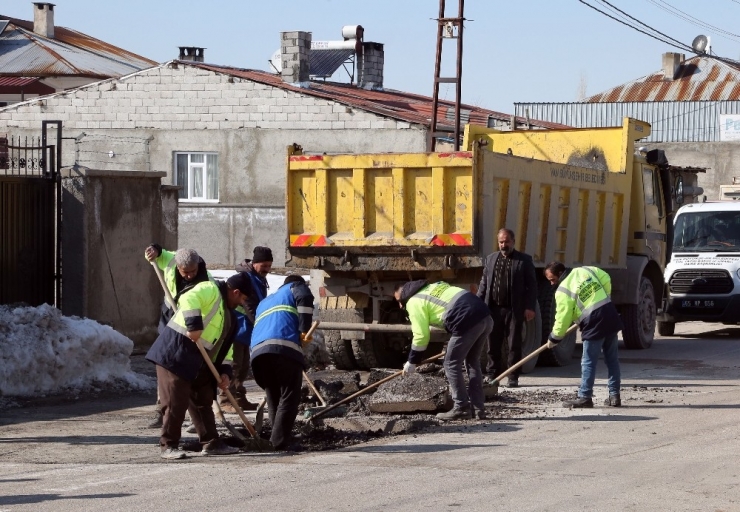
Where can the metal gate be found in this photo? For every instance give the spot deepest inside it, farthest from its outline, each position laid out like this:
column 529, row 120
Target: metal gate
column 30, row 218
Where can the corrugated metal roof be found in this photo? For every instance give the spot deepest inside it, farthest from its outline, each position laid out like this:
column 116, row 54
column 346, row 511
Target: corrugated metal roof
column 412, row 108
column 69, row 53
column 698, row 78
column 17, row 81
column 671, row 121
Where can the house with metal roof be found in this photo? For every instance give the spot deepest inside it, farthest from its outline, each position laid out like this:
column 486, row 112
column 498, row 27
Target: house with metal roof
column 693, row 106
column 38, row 58
column 221, row 133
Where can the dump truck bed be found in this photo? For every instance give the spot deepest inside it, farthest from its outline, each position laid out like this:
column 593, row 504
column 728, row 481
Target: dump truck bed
column 412, row 211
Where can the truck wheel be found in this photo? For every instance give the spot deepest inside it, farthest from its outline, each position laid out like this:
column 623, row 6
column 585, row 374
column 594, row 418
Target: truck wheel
column 339, row 350
column 562, row 354
column 639, row 319
column 373, row 353
column 666, row 328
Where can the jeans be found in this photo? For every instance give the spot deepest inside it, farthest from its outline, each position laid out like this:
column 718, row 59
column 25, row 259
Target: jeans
column 466, row 348
column 591, row 349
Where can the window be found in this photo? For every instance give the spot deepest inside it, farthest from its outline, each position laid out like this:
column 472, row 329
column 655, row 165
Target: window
column 197, row 174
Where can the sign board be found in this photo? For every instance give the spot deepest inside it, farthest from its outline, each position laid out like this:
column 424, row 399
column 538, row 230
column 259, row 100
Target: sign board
column 729, row 127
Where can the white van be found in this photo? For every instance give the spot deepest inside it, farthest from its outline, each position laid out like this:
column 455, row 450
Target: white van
column 703, row 275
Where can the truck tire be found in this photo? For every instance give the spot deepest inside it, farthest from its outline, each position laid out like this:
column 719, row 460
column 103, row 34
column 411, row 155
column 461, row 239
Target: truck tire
column 562, row 354
column 639, row 319
column 340, row 351
column 666, row 328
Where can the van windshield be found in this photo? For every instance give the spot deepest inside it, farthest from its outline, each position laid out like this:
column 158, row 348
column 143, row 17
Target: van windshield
column 707, row 231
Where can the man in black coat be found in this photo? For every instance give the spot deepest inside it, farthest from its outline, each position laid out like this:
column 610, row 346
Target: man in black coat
column 509, row 287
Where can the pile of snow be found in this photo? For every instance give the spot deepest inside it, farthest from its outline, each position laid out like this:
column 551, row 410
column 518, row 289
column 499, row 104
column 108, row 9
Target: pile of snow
column 42, row 351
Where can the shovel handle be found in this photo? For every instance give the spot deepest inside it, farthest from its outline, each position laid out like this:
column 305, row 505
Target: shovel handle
column 530, row 356
column 313, row 388
column 371, row 386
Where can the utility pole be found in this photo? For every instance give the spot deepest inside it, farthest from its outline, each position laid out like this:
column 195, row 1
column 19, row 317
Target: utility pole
column 447, row 28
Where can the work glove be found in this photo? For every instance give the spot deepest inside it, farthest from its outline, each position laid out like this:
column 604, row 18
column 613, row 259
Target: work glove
column 551, row 343
column 305, row 340
column 409, row 368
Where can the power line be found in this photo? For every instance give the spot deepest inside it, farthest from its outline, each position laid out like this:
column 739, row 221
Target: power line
column 644, row 24
column 681, row 46
column 691, row 19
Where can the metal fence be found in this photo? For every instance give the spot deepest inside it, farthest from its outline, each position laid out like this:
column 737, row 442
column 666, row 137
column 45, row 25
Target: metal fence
column 671, row 121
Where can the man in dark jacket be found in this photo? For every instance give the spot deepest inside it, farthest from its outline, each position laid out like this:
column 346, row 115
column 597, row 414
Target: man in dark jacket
column 184, row 381
column 464, row 316
column 283, row 319
column 182, row 270
column 509, row 287
column 256, row 269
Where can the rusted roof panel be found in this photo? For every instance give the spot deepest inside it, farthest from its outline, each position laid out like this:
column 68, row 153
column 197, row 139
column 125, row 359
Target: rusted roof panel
column 69, row 53
column 698, row 78
column 399, row 105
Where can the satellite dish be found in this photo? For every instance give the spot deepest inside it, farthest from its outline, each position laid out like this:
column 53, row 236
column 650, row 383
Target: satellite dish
column 700, row 43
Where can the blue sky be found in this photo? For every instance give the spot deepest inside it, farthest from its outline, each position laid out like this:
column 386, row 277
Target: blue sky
column 515, row 50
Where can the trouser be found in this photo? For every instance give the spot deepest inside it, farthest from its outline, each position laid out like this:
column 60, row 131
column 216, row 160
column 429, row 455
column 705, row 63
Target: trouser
column 240, row 367
column 505, row 326
column 164, row 317
column 466, row 348
column 281, row 378
column 177, row 396
column 591, row 348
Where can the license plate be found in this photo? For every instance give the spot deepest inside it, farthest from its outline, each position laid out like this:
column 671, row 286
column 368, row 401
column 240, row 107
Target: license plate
column 697, row 304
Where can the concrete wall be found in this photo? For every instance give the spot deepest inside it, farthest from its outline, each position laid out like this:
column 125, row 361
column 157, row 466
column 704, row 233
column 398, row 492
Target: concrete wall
column 722, row 160
column 145, row 117
column 109, row 219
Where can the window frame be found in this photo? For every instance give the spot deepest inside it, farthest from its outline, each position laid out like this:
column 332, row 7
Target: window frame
column 190, row 165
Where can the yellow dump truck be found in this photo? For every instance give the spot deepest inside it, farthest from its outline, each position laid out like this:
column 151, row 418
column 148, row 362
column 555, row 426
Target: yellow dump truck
column 365, row 222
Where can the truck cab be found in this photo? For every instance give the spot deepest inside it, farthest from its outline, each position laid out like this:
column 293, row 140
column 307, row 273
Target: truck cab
column 703, row 275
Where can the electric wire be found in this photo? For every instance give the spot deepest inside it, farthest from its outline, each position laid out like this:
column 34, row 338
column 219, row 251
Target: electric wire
column 646, row 25
column 682, row 46
column 692, row 20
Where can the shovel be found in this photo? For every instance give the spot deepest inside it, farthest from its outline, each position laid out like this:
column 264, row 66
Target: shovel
column 532, row 355
column 261, row 444
column 313, row 417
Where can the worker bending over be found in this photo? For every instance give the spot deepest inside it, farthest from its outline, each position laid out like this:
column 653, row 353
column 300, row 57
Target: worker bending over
column 583, row 296
column 184, row 381
column 283, row 319
column 468, row 319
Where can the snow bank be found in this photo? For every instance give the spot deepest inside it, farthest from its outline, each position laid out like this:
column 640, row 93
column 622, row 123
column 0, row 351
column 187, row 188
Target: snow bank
column 42, row 351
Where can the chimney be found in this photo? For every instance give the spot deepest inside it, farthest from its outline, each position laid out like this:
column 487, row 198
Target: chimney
column 43, row 19
column 371, row 66
column 192, row 53
column 671, row 64
column 295, row 48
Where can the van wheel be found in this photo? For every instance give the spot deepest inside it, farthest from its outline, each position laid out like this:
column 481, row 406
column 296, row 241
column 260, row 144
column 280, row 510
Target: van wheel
column 640, row 319
column 666, row 328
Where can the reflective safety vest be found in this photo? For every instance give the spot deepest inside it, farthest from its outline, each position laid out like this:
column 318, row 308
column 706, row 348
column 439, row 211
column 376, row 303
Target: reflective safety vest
column 276, row 328
column 200, row 308
column 429, row 306
column 583, row 291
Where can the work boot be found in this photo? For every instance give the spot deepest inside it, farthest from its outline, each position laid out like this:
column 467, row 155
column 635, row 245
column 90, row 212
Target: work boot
column 578, row 403
column 462, row 413
column 245, row 404
column 173, row 454
column 157, row 420
column 613, row 401
column 512, row 382
column 480, row 414
column 218, row 447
